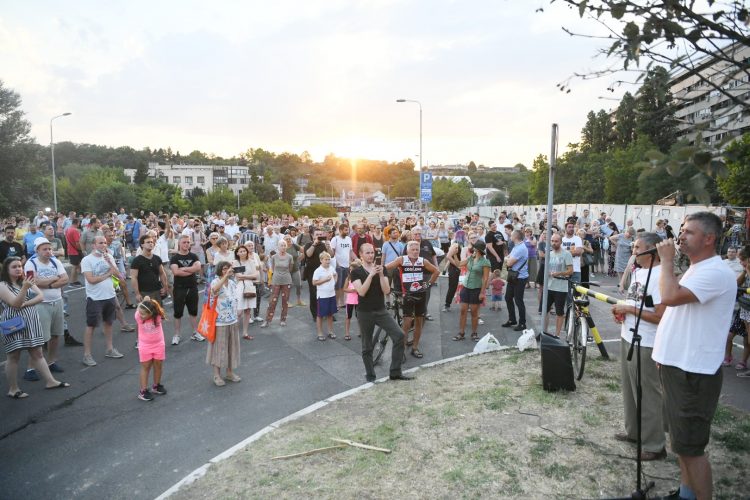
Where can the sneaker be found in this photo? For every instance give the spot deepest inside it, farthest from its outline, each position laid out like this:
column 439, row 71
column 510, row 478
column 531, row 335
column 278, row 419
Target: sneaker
column 88, row 360
column 282, row 323
column 251, row 321
column 197, row 337
column 113, row 353
column 175, row 340
column 145, row 395
column 481, row 321
column 55, row 368
column 127, row 328
column 159, row 389
column 264, row 324
column 31, row 375
column 258, row 318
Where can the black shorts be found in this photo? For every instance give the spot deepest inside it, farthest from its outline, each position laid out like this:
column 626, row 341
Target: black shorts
column 185, row 297
column 690, row 401
column 100, row 310
column 415, row 305
column 351, row 309
column 75, row 260
column 557, row 298
column 470, row 296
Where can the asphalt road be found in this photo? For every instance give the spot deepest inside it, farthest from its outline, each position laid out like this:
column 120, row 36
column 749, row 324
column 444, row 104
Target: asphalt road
column 96, row 439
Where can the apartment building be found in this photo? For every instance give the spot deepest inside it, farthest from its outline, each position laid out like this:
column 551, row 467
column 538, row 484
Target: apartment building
column 705, row 110
column 205, row 177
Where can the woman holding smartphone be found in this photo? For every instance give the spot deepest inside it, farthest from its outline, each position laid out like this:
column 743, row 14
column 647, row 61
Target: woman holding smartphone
column 245, row 272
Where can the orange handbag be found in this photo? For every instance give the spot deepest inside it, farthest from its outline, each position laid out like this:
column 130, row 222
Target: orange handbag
column 207, row 323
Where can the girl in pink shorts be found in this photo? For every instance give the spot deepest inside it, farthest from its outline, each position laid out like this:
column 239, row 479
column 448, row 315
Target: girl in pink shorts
column 151, row 351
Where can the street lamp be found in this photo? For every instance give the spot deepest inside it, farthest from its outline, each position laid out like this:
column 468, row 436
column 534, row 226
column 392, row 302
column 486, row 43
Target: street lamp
column 52, row 152
column 420, row 139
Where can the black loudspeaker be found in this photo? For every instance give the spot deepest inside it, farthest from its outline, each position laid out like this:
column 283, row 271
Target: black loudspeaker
column 557, row 365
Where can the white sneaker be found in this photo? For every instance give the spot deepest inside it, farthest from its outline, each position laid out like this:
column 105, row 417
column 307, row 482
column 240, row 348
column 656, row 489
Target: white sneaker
column 176, row 340
column 88, row 360
column 198, row 337
column 264, row 324
column 481, row 321
column 258, row 318
column 113, row 353
column 251, row 321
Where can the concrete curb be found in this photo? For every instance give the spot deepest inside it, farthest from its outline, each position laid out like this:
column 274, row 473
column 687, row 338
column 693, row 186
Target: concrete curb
column 201, row 471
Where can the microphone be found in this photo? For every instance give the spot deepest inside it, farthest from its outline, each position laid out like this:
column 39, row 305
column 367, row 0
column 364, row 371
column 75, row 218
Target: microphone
column 653, row 251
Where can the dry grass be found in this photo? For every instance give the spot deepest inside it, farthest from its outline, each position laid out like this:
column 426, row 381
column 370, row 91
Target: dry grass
column 481, row 427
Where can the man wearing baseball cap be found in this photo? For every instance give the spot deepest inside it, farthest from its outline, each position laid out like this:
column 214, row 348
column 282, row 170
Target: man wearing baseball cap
column 50, row 277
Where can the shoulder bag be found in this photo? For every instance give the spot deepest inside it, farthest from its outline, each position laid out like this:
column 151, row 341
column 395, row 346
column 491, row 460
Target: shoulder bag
column 13, row 325
column 512, row 274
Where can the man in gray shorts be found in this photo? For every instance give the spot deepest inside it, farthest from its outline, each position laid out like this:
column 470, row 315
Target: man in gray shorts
column 50, row 277
column 98, row 268
column 689, row 345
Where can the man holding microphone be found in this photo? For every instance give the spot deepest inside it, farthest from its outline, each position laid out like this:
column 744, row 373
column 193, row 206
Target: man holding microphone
column 689, row 345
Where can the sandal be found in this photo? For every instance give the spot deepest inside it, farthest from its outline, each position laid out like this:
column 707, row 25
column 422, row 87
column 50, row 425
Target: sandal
column 331, row 335
column 219, row 381
column 475, row 337
column 347, row 337
column 417, row 353
column 233, row 378
column 727, row 361
column 248, row 337
column 321, row 338
column 460, row 336
column 18, row 395
column 740, row 366
column 61, row 385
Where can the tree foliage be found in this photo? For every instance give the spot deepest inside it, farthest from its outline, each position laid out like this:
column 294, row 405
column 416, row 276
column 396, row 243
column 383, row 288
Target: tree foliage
column 451, row 196
column 735, row 187
column 318, row 210
column 625, row 121
column 655, row 110
column 674, row 33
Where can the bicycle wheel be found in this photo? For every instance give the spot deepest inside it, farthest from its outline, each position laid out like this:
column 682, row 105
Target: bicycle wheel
column 570, row 324
column 580, row 339
column 379, row 340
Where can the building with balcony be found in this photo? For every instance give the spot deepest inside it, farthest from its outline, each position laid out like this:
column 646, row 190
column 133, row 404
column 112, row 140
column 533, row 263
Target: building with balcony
column 704, row 110
column 205, row 177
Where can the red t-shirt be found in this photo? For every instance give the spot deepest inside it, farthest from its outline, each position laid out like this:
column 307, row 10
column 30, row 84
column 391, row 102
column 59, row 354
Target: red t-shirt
column 72, row 237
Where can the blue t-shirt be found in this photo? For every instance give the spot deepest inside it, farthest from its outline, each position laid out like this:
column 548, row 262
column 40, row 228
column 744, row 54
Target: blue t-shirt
column 391, row 251
column 28, row 241
column 521, row 253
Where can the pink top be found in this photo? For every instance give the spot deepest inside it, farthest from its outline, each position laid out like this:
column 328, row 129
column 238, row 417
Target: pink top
column 149, row 334
column 497, row 286
column 352, row 298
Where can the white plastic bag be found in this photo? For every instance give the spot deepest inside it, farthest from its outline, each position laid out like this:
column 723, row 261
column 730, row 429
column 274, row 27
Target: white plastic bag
column 527, row 340
column 488, row 343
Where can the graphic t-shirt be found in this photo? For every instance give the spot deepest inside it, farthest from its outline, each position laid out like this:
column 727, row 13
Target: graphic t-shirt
column 341, row 248
column 183, row 261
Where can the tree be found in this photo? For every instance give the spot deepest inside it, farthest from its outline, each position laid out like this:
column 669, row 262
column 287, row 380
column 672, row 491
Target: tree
column 735, row 187
column 655, row 110
column 22, row 166
column 539, row 180
column 674, row 33
column 109, row 197
column 596, row 135
column 498, row 199
column 471, row 168
column 451, row 196
column 625, row 121
column 221, row 198
column 264, row 192
column 141, row 173
column 406, row 187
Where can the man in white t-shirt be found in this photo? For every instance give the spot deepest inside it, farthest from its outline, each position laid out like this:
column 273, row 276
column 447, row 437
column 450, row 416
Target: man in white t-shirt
column 652, row 428
column 270, row 240
column 689, row 345
column 98, row 267
column 232, row 230
column 341, row 244
column 50, row 277
column 733, row 262
column 573, row 244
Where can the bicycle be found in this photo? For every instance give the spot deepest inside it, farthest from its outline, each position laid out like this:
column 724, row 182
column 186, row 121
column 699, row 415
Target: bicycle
column 579, row 325
column 379, row 337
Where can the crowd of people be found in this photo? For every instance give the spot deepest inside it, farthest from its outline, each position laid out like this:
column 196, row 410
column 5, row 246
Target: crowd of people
column 362, row 267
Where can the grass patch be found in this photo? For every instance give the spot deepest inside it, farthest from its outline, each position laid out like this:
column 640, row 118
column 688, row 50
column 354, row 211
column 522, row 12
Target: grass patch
column 612, row 386
column 591, row 418
column 736, row 437
column 541, row 447
column 558, row 471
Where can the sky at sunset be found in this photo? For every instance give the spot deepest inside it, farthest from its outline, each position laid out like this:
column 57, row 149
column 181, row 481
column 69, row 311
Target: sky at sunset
column 316, row 76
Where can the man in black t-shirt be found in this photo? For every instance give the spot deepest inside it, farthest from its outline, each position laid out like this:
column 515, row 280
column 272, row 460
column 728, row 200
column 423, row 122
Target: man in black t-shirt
column 185, row 265
column 146, row 272
column 372, row 286
column 9, row 247
column 312, row 262
column 495, row 242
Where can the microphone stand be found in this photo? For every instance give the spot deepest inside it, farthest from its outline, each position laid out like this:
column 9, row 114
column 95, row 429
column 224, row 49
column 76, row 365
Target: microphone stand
column 640, row 492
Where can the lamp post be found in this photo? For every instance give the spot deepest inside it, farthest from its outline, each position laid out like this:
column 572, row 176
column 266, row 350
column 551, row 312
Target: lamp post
column 420, row 140
column 52, row 152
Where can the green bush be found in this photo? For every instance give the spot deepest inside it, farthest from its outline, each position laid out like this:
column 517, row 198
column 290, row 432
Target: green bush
column 275, row 208
column 319, row 210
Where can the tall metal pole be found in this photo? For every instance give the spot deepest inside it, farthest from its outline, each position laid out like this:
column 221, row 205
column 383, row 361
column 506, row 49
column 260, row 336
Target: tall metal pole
column 52, row 153
column 420, row 146
column 548, row 232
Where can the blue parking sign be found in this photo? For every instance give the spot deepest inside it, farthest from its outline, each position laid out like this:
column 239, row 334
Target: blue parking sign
column 425, row 186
